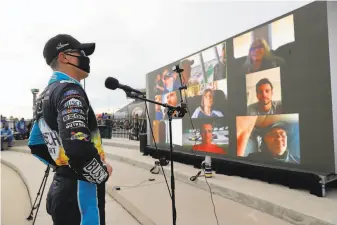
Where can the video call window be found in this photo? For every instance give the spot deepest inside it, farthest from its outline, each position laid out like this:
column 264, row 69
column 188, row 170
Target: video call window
column 161, row 132
column 197, row 74
column 207, row 100
column 209, row 136
column 260, row 45
column 264, row 92
column 166, row 81
column 269, row 138
column 171, row 98
column 159, row 128
column 214, row 61
column 177, row 127
column 207, row 66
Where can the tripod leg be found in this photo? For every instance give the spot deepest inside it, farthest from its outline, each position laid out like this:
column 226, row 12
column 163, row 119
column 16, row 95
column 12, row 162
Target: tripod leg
column 38, row 206
column 30, row 217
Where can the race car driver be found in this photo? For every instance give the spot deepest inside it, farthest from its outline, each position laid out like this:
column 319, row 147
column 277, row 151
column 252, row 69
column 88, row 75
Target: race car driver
column 65, row 135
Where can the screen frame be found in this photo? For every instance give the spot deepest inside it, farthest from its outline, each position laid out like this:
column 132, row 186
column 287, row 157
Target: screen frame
column 332, row 33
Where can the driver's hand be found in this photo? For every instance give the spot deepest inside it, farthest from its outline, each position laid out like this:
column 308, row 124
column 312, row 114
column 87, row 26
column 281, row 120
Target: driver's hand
column 109, row 167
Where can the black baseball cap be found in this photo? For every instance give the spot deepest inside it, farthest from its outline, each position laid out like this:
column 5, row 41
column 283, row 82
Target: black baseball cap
column 168, row 74
column 63, row 42
column 281, row 124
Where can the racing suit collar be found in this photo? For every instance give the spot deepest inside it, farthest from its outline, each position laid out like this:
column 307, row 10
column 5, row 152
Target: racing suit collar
column 57, row 76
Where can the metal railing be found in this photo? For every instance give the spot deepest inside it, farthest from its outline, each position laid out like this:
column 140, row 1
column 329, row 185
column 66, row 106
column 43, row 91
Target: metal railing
column 127, row 127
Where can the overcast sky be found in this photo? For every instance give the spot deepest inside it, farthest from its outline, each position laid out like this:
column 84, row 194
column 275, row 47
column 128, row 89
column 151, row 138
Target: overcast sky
column 132, row 38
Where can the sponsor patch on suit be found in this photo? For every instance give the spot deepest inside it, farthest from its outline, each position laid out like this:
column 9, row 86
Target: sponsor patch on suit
column 73, row 103
column 73, row 116
column 75, row 124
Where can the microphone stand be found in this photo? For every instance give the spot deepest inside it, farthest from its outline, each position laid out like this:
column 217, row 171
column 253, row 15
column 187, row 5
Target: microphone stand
column 171, row 110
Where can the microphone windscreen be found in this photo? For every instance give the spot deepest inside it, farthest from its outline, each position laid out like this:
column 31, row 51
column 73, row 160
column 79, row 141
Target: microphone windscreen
column 111, row 83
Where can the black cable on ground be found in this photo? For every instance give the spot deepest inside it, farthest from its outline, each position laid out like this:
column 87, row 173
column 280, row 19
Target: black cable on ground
column 210, row 191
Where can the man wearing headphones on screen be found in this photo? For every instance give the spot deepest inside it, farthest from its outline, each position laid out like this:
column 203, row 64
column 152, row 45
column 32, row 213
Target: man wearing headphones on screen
column 65, row 135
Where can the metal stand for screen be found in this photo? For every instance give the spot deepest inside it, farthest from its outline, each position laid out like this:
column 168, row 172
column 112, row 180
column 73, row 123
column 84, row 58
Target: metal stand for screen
column 324, row 180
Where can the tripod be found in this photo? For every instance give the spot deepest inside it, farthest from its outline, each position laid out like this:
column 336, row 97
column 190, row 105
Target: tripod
column 42, row 186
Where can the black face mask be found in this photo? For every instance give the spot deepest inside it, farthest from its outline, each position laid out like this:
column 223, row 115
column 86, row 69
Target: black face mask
column 84, row 63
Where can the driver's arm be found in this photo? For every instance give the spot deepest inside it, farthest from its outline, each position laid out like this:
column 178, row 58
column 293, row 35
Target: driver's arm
column 72, row 118
column 38, row 147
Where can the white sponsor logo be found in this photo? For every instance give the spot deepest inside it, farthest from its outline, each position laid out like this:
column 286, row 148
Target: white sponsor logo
column 95, row 172
column 60, row 45
column 73, row 116
column 73, row 102
column 51, row 139
column 75, row 124
column 67, row 81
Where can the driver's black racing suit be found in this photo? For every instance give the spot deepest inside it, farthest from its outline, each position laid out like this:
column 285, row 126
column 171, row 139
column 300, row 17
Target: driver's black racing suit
column 65, row 135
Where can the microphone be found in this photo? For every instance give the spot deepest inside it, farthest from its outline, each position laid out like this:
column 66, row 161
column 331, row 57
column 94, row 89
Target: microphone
column 113, row 84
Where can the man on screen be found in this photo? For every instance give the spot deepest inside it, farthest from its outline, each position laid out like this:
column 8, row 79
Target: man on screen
column 265, row 104
column 172, row 100
column 274, row 144
column 206, row 132
column 170, row 82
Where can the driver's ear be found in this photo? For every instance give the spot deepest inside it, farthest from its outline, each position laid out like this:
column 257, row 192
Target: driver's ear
column 62, row 57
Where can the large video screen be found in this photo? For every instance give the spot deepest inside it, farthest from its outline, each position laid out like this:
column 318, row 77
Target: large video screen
column 262, row 96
